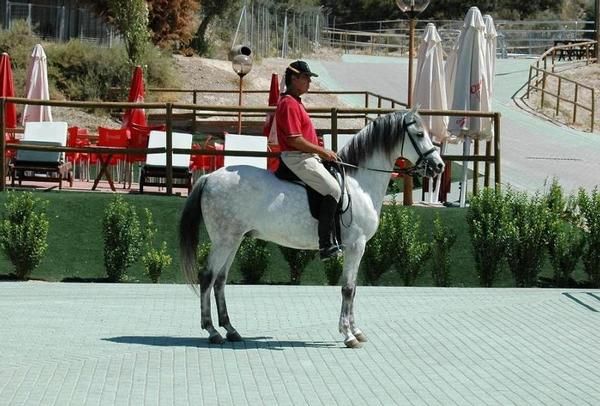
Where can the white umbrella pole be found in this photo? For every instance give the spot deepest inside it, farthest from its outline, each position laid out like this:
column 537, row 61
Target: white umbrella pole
column 438, row 179
column 463, row 185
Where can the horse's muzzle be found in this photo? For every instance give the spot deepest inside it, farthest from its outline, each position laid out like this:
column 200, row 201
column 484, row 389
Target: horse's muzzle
column 434, row 166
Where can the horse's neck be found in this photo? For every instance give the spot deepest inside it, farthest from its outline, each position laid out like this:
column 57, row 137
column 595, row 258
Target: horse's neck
column 375, row 183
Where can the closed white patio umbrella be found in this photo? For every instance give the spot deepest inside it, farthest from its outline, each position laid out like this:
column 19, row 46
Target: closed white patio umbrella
column 430, row 89
column 470, row 89
column 37, row 87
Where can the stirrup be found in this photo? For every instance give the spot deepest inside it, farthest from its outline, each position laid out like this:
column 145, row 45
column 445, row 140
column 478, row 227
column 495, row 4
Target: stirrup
column 327, row 253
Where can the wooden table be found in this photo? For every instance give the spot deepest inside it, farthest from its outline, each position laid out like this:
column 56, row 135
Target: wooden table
column 104, row 159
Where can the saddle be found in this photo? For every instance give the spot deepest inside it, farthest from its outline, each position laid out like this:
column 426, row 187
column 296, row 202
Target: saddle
column 314, row 197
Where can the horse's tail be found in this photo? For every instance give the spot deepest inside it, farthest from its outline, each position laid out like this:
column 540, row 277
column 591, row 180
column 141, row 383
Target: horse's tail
column 189, row 228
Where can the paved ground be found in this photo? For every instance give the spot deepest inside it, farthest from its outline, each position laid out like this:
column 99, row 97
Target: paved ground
column 104, row 344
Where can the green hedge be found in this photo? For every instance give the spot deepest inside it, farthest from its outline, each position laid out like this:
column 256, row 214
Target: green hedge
column 75, row 247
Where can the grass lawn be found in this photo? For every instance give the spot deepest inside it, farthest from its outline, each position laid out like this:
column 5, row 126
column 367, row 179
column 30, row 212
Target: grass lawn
column 75, row 251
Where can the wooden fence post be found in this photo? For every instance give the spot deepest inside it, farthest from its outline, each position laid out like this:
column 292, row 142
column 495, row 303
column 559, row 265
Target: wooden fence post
column 575, row 103
column 2, row 146
column 169, row 149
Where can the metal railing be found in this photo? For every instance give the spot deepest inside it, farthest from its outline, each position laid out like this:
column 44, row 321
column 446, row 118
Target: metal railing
column 545, row 66
column 490, row 157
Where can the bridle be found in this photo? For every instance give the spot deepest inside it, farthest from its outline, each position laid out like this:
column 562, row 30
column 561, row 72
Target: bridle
column 420, row 166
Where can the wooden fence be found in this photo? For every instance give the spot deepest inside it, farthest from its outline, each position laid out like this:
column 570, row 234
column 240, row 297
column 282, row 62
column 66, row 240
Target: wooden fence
column 490, row 156
column 545, row 67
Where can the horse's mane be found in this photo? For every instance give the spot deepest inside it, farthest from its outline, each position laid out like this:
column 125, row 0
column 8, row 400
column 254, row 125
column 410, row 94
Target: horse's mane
column 381, row 134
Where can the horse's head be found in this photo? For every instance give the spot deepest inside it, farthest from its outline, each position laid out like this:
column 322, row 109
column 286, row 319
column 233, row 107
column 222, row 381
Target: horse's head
column 419, row 149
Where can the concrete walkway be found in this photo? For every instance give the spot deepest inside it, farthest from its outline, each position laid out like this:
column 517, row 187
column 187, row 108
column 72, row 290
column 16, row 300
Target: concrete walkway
column 105, row 344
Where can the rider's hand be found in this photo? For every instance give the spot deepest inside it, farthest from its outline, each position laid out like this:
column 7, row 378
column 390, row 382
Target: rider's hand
column 328, row 155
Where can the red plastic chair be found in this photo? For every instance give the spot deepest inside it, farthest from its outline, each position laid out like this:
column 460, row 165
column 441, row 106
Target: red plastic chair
column 139, row 135
column 79, row 138
column 273, row 163
column 115, row 138
column 219, row 159
column 204, row 163
column 10, row 137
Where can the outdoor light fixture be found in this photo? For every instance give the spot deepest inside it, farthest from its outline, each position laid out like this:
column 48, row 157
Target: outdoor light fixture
column 241, row 64
column 411, row 8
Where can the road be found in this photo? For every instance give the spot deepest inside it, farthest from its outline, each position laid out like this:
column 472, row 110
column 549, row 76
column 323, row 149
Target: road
column 534, row 150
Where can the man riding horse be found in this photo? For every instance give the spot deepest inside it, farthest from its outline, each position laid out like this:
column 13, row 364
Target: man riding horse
column 301, row 153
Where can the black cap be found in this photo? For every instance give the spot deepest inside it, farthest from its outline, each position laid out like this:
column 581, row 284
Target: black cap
column 301, row 67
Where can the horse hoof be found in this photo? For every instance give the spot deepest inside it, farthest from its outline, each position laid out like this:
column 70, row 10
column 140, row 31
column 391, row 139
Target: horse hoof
column 352, row 343
column 235, row 336
column 216, row 339
column 361, row 337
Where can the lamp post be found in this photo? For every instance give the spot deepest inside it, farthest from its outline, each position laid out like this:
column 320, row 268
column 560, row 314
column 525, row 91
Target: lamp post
column 241, row 64
column 411, row 8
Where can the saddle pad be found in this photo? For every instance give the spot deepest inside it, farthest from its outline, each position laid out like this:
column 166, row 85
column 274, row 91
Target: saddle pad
column 314, row 197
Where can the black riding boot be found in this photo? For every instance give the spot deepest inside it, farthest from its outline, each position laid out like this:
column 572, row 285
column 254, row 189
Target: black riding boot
column 328, row 247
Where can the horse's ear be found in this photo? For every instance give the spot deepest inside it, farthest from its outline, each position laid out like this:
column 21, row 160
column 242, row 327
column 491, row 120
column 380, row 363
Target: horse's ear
column 415, row 108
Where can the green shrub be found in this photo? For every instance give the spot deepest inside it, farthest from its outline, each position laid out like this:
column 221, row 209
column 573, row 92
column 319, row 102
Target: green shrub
column 443, row 238
column 410, row 252
column 80, row 71
column 202, row 255
column 253, row 259
column 333, row 269
column 589, row 207
column 526, row 236
column 565, row 247
column 24, row 231
column 565, row 238
column 297, row 261
column 122, row 236
column 155, row 260
column 18, row 42
column 377, row 259
column 486, row 216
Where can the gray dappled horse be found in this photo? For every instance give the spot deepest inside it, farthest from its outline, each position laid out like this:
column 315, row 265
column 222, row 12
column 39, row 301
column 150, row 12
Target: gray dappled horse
column 238, row 201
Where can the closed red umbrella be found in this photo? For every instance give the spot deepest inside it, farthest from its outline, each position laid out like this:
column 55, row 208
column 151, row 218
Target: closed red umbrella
column 269, row 129
column 136, row 95
column 7, row 89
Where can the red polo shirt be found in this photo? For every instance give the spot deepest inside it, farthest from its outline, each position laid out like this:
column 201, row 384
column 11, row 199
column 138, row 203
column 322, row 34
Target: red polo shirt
column 292, row 118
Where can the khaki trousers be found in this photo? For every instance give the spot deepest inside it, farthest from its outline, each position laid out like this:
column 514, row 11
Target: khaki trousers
column 310, row 170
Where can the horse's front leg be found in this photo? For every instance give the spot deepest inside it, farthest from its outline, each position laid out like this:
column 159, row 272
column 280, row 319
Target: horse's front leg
column 352, row 256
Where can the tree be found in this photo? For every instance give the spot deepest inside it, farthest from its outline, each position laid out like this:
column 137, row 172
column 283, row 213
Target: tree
column 373, row 10
column 131, row 20
column 210, row 9
column 171, row 22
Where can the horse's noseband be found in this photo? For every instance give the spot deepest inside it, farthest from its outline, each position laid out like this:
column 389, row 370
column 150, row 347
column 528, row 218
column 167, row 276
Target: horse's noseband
column 410, row 121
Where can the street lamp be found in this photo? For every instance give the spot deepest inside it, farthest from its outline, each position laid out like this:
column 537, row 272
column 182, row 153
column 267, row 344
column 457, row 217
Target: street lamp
column 411, row 8
column 241, row 64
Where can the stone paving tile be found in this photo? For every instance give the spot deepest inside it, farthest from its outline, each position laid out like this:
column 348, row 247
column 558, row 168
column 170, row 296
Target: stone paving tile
column 104, row 344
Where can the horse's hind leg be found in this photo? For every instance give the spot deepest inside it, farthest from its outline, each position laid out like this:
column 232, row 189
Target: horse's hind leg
column 219, row 260
column 352, row 334
column 207, row 281
column 232, row 334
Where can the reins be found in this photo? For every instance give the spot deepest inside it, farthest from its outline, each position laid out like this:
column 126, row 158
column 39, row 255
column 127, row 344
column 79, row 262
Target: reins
column 417, row 167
